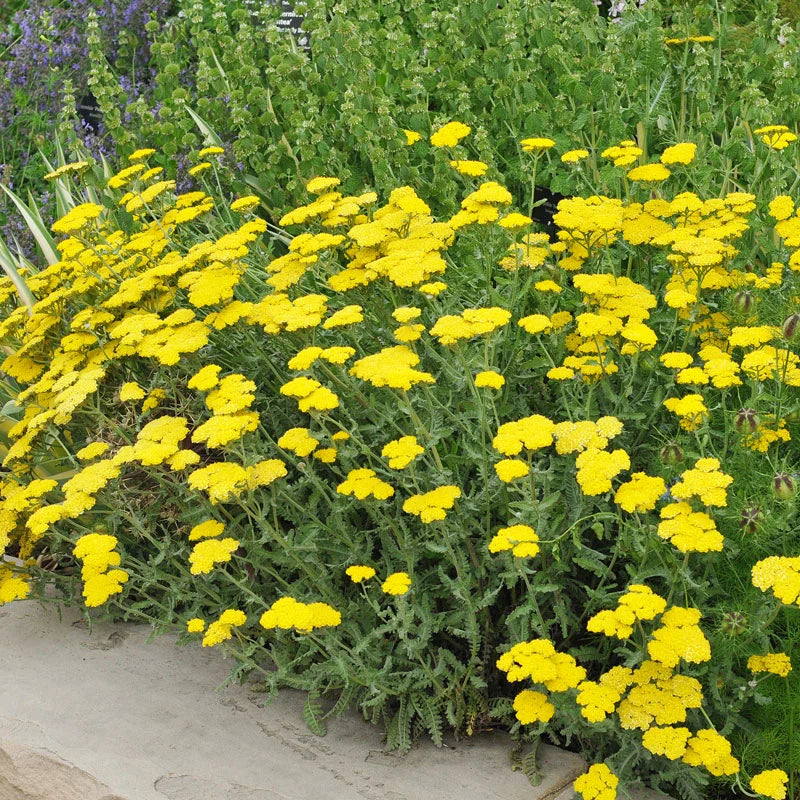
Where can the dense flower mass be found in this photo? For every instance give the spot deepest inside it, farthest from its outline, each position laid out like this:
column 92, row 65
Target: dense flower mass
column 522, row 445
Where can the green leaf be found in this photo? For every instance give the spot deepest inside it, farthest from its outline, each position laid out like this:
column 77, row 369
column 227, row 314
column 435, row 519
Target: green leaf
column 313, row 715
column 10, row 265
column 37, row 228
column 205, row 128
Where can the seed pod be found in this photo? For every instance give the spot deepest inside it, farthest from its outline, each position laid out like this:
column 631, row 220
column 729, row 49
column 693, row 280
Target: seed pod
column 783, row 486
column 733, row 623
column 790, row 326
column 671, row 453
column 747, row 420
column 744, row 301
column 750, row 519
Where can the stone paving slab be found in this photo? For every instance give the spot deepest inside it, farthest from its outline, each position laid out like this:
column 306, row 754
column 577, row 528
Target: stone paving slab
column 110, row 716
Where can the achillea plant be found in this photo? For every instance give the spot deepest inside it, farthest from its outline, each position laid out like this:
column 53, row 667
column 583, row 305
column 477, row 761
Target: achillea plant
column 458, row 472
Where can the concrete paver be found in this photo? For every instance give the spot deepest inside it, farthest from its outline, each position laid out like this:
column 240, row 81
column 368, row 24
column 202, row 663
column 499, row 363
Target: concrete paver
column 109, row 716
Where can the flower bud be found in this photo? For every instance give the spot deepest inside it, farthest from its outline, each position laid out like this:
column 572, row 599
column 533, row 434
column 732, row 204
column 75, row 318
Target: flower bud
column 671, row 453
column 747, row 420
column 750, row 519
column 783, row 486
column 744, row 301
column 790, row 326
column 793, row 416
column 733, row 623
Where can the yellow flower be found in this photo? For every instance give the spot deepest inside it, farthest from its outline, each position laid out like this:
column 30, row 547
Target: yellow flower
column 649, row 173
column 201, row 167
column 411, row 136
column 349, row 315
column 141, row 154
column 450, row 135
column 599, row 783
column 222, row 629
column 213, row 150
column 530, row 707
column 640, row 493
column 401, row 452
column 432, row 505
column 515, row 220
column 299, row 441
column 669, row 742
column 770, row 783
column 405, row 314
column 206, row 530
column 130, row 391
column 776, row 663
column 489, row 379
column 91, row 451
column 709, row 749
column 287, row 613
column 245, row 203
column 473, row 169
column 681, row 153
column 209, row 552
column 510, row 469
column 358, row 573
column 77, row 218
column 363, row 483
column 536, row 144
column 196, row 625
column 522, row 540
column 398, row 583
column 574, row 156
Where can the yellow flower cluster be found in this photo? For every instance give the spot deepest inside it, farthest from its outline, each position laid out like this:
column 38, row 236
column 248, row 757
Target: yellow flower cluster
column 310, row 394
column 359, row 573
column 224, row 480
column 96, row 551
column 531, row 706
column 222, row 629
column 209, row 552
column 401, row 452
column 599, row 783
column 482, row 206
column 398, row 583
column 690, row 410
column 521, row 540
column 450, row 134
column 709, row 749
column 432, row 506
column 776, row 137
column 471, row 322
column 639, row 602
column 624, row 154
column 597, row 467
column 688, row 530
column 12, row 587
column 776, row 663
column 640, row 493
column 363, row 483
column 679, row 638
column 780, row 574
column 392, row 367
column 287, row 613
column 539, row 662
column 770, row 783
column 655, row 695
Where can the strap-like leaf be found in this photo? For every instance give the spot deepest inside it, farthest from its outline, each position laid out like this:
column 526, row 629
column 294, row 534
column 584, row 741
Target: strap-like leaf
column 34, row 222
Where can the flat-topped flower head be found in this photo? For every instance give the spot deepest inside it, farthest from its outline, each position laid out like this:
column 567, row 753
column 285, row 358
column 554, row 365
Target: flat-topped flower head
column 450, row 135
column 398, row 583
column 536, row 144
